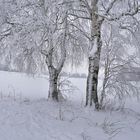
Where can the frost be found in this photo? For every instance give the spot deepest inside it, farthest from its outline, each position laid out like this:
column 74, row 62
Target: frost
column 93, row 48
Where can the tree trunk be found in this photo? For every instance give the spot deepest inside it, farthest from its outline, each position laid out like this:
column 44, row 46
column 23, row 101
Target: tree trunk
column 53, row 89
column 92, row 80
column 94, row 56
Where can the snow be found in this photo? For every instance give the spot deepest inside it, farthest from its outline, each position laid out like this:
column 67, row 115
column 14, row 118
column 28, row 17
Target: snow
column 26, row 114
column 23, row 85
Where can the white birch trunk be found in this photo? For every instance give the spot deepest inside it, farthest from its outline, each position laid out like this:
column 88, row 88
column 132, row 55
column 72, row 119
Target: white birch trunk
column 53, row 79
column 94, row 57
column 55, row 72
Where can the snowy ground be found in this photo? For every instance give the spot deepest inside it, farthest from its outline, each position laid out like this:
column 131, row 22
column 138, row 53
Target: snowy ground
column 25, row 114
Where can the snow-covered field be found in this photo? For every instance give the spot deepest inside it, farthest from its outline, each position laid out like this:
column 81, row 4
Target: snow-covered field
column 25, row 114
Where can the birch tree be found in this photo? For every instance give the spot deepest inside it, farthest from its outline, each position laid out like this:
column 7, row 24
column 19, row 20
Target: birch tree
column 49, row 39
column 96, row 13
column 55, row 48
column 41, row 38
column 59, row 43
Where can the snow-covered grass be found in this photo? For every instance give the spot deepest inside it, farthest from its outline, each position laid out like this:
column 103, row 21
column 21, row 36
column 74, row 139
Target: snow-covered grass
column 25, row 114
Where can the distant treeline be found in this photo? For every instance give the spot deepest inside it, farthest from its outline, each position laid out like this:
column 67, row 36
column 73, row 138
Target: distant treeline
column 74, row 75
column 65, row 74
